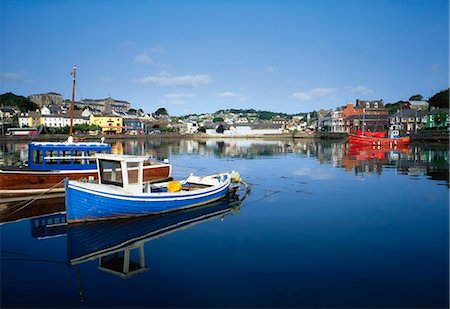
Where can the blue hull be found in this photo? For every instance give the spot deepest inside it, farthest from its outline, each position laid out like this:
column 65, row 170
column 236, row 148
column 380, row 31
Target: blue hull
column 89, row 205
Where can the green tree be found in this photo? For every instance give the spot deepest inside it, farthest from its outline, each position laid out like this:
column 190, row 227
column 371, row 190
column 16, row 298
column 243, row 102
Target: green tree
column 161, row 111
column 392, row 108
column 217, row 119
column 167, row 129
column 10, row 99
column 440, row 99
column 416, row 97
column 440, row 118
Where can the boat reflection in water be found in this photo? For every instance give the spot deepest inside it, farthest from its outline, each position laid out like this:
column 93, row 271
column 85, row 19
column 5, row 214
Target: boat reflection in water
column 112, row 241
column 371, row 159
column 35, row 210
column 364, row 152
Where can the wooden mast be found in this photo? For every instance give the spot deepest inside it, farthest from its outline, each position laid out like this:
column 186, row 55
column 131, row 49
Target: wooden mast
column 72, row 108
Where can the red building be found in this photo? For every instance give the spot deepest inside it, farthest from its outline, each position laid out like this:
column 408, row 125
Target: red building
column 372, row 112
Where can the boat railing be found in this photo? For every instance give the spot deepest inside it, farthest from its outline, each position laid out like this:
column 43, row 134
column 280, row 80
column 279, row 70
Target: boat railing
column 70, row 157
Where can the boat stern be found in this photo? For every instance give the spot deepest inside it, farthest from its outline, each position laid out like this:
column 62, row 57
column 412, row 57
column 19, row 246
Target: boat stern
column 69, row 211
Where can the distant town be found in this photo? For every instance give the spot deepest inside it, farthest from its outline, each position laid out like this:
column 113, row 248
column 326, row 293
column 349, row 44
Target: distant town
column 49, row 113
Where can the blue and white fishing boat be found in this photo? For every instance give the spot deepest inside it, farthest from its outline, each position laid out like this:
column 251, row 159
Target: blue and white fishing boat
column 119, row 193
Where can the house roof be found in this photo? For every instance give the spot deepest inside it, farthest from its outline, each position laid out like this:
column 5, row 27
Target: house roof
column 367, row 117
column 418, row 102
column 408, row 113
column 9, row 109
column 439, row 111
column 405, row 113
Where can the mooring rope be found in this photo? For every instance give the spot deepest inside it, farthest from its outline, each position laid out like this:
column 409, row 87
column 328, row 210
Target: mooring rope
column 198, row 169
column 32, row 199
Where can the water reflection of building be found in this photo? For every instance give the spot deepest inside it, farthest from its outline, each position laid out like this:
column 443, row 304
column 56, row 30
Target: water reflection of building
column 364, row 160
column 429, row 162
column 412, row 161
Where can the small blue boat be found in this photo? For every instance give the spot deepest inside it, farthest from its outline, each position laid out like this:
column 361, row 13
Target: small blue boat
column 119, row 193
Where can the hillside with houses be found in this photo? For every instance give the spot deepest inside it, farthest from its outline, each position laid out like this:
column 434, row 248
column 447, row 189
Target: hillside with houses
column 50, row 112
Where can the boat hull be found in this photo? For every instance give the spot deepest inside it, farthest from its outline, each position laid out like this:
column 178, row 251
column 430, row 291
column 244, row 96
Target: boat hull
column 378, row 141
column 86, row 204
column 19, row 184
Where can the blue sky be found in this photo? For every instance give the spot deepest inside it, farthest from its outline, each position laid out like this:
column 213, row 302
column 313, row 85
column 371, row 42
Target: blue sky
column 202, row 56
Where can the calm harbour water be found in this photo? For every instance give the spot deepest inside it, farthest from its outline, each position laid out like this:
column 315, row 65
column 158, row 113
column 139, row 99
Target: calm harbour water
column 324, row 226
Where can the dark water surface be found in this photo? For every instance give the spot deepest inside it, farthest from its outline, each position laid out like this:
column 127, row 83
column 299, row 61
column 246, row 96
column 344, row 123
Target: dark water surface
column 324, row 226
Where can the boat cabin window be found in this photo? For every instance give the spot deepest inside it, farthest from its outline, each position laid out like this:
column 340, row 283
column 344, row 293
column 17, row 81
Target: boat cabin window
column 38, row 157
column 65, row 153
column 110, row 172
column 50, row 157
column 132, row 169
column 79, row 154
column 91, row 155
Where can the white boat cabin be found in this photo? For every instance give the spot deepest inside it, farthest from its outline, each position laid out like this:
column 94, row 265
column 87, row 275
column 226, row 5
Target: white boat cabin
column 126, row 171
column 122, row 171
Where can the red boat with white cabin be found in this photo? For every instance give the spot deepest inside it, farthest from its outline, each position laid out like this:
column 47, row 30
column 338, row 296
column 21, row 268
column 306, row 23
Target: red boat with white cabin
column 378, row 139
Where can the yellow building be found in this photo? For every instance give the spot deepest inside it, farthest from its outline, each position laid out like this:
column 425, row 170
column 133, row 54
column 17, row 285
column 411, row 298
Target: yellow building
column 109, row 124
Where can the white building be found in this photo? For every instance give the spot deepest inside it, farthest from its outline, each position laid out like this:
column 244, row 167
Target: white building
column 337, row 123
column 62, row 120
column 35, row 119
column 250, row 129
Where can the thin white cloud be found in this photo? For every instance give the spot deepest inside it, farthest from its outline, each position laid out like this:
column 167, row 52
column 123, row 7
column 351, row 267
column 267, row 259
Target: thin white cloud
column 313, row 94
column 362, row 90
column 185, row 80
column 318, row 173
column 177, row 98
column 143, row 58
column 12, row 76
column 228, row 94
column 164, row 73
column 179, row 95
column 267, row 69
column 233, row 95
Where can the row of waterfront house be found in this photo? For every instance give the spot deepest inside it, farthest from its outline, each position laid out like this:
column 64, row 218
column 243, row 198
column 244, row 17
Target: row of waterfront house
column 371, row 115
column 117, row 117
